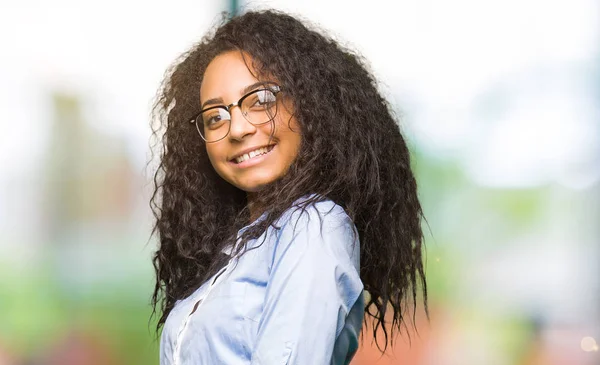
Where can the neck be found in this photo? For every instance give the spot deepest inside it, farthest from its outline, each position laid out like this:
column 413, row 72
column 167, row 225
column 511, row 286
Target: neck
column 253, row 205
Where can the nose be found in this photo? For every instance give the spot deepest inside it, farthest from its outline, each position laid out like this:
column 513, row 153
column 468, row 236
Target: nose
column 240, row 127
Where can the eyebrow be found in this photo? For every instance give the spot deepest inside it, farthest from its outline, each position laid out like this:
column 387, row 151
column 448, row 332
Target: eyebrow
column 244, row 91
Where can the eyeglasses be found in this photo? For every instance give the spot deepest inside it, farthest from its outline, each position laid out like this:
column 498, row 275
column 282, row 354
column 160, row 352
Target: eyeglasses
column 258, row 107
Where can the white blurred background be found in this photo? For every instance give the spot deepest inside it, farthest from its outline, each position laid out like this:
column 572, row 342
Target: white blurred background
column 500, row 102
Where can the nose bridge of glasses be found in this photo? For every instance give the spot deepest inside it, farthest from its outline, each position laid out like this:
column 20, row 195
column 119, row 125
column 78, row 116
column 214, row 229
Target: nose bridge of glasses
column 230, row 107
column 242, row 124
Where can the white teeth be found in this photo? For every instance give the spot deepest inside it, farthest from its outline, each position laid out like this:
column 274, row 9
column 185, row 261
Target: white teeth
column 247, row 156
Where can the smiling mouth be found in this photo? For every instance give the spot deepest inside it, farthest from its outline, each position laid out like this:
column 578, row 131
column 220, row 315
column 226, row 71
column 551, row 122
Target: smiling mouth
column 250, row 155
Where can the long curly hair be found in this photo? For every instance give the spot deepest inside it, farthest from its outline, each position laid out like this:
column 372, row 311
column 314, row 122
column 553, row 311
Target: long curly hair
column 352, row 152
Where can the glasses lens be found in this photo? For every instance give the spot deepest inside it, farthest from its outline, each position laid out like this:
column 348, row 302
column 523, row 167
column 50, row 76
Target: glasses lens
column 213, row 124
column 260, row 107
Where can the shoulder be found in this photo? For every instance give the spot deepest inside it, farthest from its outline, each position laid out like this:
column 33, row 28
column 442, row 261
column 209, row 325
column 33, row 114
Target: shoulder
column 314, row 212
column 318, row 225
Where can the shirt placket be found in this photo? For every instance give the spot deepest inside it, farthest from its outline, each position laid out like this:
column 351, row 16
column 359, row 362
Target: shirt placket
column 184, row 325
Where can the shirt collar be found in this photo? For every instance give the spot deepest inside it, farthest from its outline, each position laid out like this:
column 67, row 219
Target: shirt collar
column 228, row 250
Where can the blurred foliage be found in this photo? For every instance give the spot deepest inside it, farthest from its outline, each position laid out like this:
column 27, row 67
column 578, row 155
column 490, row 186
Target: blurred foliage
column 37, row 314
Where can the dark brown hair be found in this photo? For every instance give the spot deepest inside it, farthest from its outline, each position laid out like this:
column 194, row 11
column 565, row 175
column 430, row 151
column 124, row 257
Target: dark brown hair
column 352, row 152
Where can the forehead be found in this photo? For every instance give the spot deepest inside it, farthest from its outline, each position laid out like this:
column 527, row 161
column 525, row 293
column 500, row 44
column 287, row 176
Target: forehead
column 226, row 75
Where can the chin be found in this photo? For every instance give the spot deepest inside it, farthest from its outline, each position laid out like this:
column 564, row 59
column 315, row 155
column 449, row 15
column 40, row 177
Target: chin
column 249, row 188
column 252, row 188
column 255, row 185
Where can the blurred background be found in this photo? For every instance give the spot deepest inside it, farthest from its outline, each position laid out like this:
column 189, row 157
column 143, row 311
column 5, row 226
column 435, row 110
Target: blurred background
column 500, row 103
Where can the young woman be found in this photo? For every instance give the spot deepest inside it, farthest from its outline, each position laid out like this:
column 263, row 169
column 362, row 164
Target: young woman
column 286, row 209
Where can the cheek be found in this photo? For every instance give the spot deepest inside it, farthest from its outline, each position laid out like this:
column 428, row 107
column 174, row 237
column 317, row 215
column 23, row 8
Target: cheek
column 295, row 142
column 215, row 156
column 287, row 127
column 211, row 154
column 290, row 131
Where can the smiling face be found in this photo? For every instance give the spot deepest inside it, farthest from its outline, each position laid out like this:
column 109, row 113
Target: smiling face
column 250, row 156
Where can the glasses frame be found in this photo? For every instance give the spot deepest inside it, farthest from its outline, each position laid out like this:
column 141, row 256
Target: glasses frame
column 271, row 86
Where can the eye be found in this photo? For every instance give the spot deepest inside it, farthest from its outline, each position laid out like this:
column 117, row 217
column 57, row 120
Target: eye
column 261, row 99
column 215, row 118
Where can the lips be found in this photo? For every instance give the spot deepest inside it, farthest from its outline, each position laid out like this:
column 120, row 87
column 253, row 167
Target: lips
column 248, row 155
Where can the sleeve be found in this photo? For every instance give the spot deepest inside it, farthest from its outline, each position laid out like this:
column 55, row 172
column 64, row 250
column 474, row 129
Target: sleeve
column 314, row 282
